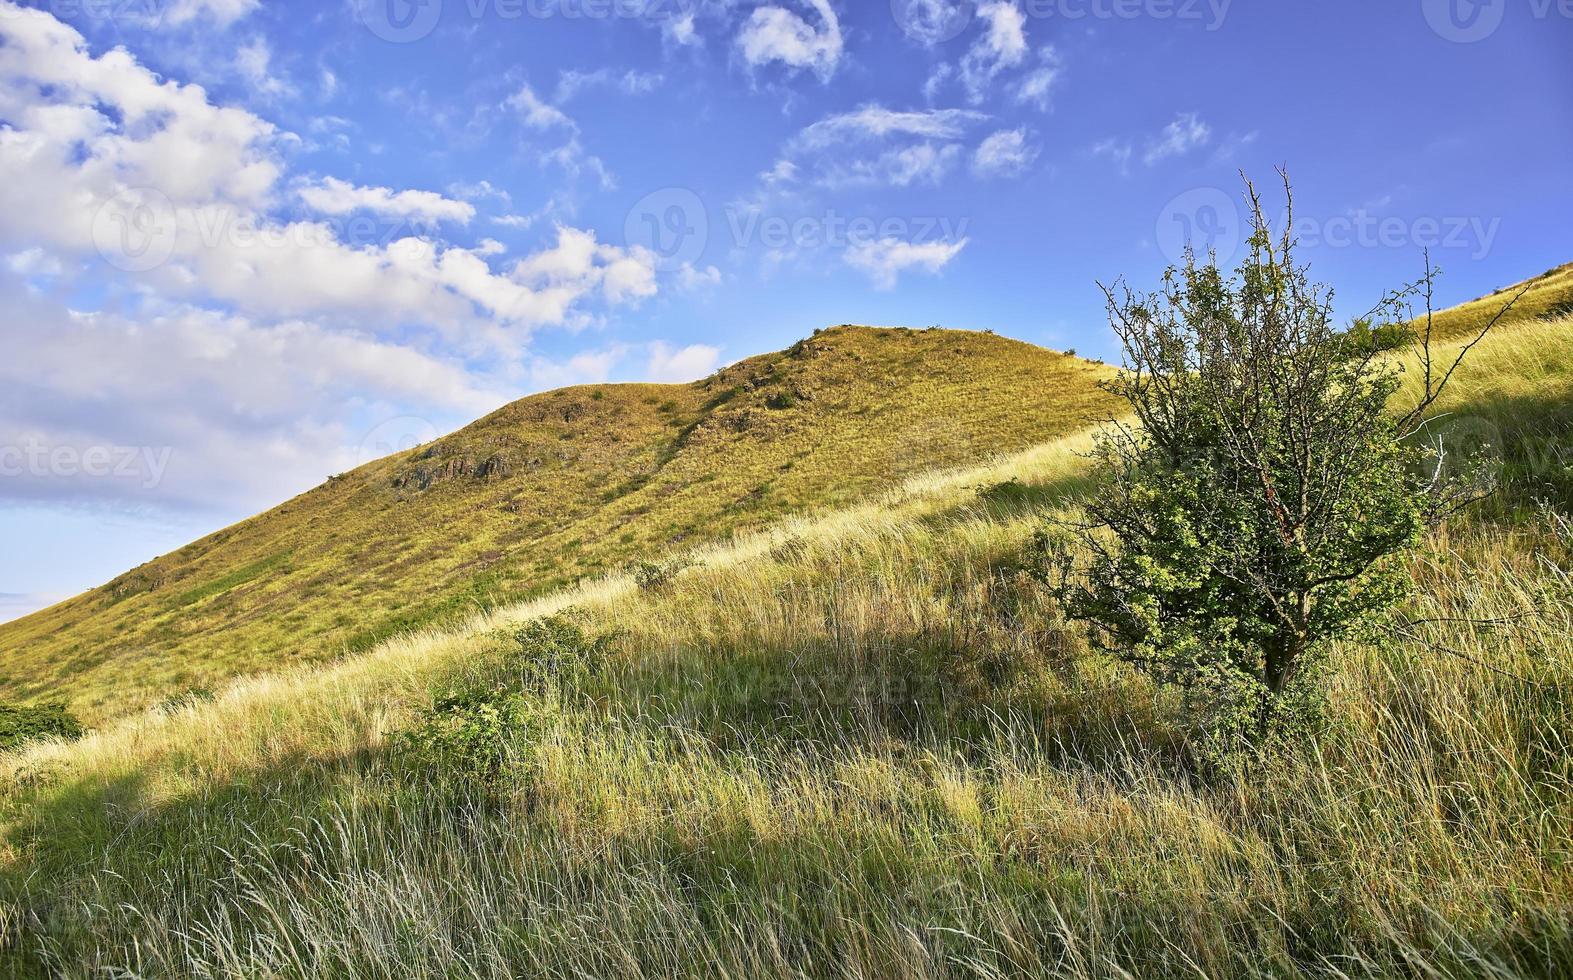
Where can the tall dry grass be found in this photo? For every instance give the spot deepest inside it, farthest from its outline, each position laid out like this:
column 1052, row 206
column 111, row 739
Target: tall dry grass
column 857, row 747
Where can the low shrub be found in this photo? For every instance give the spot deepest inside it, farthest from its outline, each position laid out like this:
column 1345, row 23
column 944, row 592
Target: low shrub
column 23, row 723
column 656, row 576
column 468, row 739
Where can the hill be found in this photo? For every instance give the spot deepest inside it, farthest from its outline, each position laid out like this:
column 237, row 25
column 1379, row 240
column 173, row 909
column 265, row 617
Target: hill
column 1546, row 297
column 860, row 744
column 545, row 491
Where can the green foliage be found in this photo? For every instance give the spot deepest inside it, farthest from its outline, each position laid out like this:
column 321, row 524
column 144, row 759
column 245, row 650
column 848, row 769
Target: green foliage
column 1256, row 511
column 657, row 576
column 467, row 740
column 23, row 723
column 1365, row 334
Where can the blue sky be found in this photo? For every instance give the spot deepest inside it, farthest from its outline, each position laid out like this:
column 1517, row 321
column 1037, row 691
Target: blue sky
column 246, row 244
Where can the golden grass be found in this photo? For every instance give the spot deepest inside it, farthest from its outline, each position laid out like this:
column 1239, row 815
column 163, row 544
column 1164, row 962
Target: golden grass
column 1545, row 297
column 858, row 745
column 579, row 481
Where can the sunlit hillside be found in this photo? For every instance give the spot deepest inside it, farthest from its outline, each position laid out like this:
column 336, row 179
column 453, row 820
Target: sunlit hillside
column 861, row 745
column 547, row 490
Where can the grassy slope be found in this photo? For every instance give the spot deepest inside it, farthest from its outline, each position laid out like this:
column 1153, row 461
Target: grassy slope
column 852, row 747
column 1548, row 296
column 542, row 492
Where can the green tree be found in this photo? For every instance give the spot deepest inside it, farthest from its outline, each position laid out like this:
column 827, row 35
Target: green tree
column 1256, row 507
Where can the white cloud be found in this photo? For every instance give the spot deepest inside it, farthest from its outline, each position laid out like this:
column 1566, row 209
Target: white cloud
column 254, row 61
column 876, row 121
column 922, row 164
column 536, row 113
column 578, row 264
column 680, row 30
column 1004, row 154
column 1002, row 45
column 242, row 413
column 690, row 278
column 337, row 197
column 876, row 146
column 1232, row 146
column 688, row 364
column 1037, row 87
column 570, row 83
column 1118, row 152
column 221, row 12
column 1184, row 134
column 884, row 261
column 99, row 147
column 777, row 34
column 783, row 172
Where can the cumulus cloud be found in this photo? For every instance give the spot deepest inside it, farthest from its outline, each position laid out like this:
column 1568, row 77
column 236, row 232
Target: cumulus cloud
column 220, row 410
column 1186, row 133
column 777, row 34
column 248, row 349
column 883, row 261
column 686, row 364
column 691, row 278
column 1004, row 154
column 103, row 158
column 338, row 197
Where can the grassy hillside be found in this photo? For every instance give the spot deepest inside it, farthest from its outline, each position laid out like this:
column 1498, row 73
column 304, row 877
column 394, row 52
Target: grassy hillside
column 858, row 745
column 1548, row 296
column 545, row 491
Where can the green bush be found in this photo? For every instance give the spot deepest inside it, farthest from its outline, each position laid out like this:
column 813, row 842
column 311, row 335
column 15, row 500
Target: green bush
column 469, row 737
column 656, row 576
column 23, row 723
column 1261, row 505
